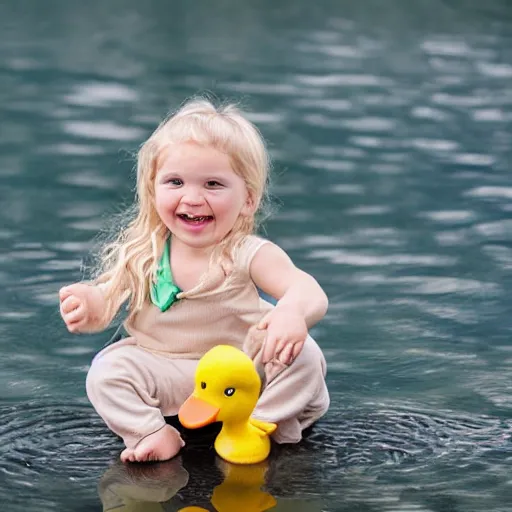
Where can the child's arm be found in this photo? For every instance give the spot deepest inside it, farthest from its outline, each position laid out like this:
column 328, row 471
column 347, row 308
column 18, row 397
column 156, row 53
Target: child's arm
column 301, row 302
column 83, row 308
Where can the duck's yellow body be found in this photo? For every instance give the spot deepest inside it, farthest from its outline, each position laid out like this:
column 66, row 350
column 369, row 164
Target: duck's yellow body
column 227, row 387
column 245, row 443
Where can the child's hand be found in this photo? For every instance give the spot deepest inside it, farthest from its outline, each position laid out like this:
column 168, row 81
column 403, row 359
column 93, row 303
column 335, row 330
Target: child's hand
column 81, row 307
column 286, row 334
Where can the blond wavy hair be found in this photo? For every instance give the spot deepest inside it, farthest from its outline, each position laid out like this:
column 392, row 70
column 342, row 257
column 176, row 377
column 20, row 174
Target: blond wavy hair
column 127, row 265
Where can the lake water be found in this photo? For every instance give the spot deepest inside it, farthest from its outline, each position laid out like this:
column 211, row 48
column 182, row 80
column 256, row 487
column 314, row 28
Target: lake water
column 390, row 128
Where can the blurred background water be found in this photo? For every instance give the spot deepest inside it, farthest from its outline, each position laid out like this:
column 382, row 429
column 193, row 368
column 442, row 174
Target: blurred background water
column 390, row 128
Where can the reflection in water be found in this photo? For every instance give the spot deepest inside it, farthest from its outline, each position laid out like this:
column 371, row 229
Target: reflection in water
column 141, row 487
column 241, row 489
column 151, row 487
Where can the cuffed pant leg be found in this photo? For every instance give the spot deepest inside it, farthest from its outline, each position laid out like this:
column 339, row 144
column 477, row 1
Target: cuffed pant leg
column 132, row 389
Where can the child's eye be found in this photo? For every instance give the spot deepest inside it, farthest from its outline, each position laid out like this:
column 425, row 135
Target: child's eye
column 213, row 184
column 176, row 182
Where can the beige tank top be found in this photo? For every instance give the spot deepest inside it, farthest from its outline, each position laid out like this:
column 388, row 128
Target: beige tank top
column 220, row 310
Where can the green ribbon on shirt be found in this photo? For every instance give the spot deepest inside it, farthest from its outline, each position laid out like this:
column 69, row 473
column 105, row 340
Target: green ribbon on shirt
column 163, row 291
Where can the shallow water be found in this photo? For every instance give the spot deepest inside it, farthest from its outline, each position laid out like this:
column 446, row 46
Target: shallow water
column 390, row 133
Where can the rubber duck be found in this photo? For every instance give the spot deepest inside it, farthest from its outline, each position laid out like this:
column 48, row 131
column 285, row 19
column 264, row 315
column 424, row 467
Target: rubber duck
column 227, row 387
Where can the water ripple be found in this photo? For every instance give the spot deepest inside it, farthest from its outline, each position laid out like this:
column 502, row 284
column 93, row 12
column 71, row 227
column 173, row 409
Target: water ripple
column 360, row 259
column 495, row 70
column 103, row 130
column 42, row 442
column 342, row 79
column 435, row 145
column 449, row 47
column 474, row 159
column 99, row 94
column 502, row 255
column 501, row 229
column 425, row 112
column 458, row 100
column 89, row 178
column 450, row 217
column 394, row 435
column 490, row 192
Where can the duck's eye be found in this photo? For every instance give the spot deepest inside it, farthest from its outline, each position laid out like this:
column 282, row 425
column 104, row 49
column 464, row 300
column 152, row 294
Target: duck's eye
column 203, row 385
column 229, row 391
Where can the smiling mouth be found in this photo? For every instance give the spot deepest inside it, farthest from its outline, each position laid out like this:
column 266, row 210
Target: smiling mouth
column 195, row 218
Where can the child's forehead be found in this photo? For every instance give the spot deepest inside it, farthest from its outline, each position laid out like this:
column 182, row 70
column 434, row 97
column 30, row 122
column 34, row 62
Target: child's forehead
column 192, row 149
column 193, row 158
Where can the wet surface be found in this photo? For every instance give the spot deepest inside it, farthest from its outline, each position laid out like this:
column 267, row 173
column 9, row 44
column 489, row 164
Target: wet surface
column 62, row 453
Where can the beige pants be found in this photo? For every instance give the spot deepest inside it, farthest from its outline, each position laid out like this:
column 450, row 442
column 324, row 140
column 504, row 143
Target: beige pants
column 132, row 389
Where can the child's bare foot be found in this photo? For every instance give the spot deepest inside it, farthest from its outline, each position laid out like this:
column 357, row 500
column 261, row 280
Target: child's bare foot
column 163, row 444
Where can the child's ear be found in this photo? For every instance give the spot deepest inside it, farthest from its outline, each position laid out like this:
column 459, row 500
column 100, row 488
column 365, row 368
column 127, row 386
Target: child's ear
column 249, row 206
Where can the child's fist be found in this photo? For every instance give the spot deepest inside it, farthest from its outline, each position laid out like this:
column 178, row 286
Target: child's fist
column 77, row 307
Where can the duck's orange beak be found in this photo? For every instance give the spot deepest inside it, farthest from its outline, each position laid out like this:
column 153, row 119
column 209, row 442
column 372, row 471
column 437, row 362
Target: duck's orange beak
column 196, row 413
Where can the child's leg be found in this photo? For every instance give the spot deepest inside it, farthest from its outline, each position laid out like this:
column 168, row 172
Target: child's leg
column 297, row 396
column 132, row 389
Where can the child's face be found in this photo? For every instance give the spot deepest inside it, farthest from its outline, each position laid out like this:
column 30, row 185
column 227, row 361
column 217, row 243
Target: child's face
column 198, row 195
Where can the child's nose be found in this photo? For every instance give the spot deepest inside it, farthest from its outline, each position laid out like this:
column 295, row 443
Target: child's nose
column 192, row 197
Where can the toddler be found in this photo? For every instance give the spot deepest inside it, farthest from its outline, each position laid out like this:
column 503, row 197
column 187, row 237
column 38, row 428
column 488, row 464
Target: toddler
column 189, row 267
